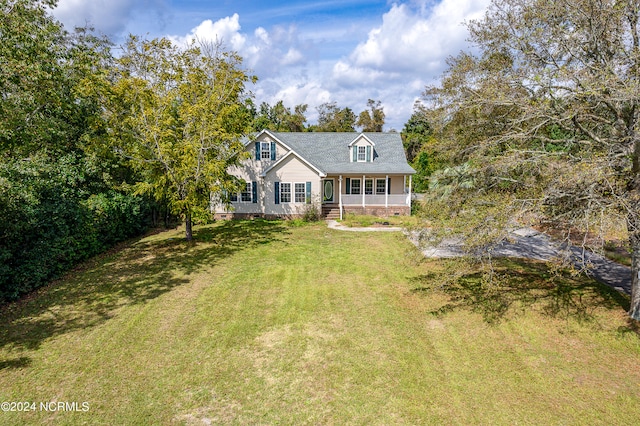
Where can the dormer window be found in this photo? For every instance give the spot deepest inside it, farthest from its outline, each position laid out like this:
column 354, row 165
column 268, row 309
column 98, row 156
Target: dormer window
column 361, row 150
column 362, row 154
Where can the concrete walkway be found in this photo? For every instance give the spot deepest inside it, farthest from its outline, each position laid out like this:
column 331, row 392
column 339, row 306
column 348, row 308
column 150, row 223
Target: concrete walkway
column 333, row 224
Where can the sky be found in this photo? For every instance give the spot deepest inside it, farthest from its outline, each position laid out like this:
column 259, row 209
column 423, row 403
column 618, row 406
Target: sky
column 307, row 52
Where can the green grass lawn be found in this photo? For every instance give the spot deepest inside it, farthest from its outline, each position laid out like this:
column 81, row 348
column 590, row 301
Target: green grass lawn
column 264, row 323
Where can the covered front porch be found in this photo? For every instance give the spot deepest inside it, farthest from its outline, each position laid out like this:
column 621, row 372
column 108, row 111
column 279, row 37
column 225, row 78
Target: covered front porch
column 375, row 195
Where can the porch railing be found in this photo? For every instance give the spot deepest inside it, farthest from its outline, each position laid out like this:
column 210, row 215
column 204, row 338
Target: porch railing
column 376, row 200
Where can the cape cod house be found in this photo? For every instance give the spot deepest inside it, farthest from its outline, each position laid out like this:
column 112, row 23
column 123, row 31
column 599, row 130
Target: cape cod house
column 364, row 173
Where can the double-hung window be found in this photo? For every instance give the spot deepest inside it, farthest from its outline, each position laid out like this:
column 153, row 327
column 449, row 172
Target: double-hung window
column 300, row 192
column 245, row 195
column 368, row 186
column 285, row 192
column 362, row 153
column 355, row 187
column 265, row 150
column 380, row 186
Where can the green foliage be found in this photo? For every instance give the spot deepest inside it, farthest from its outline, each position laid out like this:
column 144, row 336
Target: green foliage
column 331, row 118
column 56, row 205
column 311, row 213
column 423, row 164
column 421, row 147
column 178, row 115
column 279, row 118
column 373, row 120
column 48, row 222
column 416, row 132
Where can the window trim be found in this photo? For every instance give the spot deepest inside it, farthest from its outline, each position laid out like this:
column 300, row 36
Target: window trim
column 296, row 192
column 246, row 196
column 359, row 186
column 264, row 151
column 282, row 192
column 370, row 180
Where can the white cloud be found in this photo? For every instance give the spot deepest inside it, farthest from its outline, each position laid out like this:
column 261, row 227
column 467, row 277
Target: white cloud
column 110, row 17
column 347, row 75
column 293, row 57
column 225, row 30
column 402, row 55
column 265, row 53
column 413, row 39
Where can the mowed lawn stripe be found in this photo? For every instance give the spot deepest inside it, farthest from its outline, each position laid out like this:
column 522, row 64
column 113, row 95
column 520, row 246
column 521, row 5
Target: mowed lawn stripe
column 260, row 322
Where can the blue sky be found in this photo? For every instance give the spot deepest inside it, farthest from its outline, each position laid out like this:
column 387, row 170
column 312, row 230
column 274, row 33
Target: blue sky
column 308, row 52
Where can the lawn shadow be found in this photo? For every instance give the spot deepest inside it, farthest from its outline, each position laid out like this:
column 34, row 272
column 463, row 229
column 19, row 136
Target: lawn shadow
column 515, row 285
column 138, row 272
column 15, row 363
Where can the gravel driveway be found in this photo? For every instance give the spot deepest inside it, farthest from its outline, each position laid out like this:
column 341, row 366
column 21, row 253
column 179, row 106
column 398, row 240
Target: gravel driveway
column 530, row 244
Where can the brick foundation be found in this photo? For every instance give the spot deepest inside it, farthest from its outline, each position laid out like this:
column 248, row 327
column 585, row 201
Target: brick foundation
column 379, row 211
column 248, row 216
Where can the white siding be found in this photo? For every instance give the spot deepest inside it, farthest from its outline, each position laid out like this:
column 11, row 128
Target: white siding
column 291, row 170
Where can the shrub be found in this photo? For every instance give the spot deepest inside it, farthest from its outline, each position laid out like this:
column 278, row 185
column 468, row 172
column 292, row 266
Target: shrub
column 49, row 233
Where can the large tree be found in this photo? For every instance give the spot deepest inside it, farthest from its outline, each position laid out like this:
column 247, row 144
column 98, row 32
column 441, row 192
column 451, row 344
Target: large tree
column 548, row 113
column 57, row 206
column 332, row 118
column 279, row 118
column 372, row 120
column 419, row 143
column 178, row 115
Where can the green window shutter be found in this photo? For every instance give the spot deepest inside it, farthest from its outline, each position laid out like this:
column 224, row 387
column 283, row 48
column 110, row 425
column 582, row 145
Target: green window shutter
column 355, row 153
column 273, row 151
column 308, row 193
column 388, row 185
column 254, row 192
column 368, row 154
column 348, row 186
column 277, row 191
column 257, row 151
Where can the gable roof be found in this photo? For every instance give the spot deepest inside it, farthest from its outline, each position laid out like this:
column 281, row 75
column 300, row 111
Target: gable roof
column 330, row 152
column 284, row 158
column 360, row 137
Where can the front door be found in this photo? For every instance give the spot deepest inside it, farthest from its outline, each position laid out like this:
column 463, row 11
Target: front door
column 327, row 191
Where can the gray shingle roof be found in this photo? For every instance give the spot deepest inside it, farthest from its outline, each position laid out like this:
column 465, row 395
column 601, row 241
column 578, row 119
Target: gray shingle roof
column 329, row 152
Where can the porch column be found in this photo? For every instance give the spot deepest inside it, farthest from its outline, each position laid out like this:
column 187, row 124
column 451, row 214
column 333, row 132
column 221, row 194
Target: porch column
column 362, row 189
column 340, row 196
column 410, row 180
column 386, row 191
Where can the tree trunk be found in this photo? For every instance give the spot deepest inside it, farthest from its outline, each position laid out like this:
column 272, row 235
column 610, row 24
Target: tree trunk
column 188, row 226
column 633, row 224
column 634, row 239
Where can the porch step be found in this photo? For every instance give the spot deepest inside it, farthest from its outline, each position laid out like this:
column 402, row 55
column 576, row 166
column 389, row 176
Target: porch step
column 331, row 212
